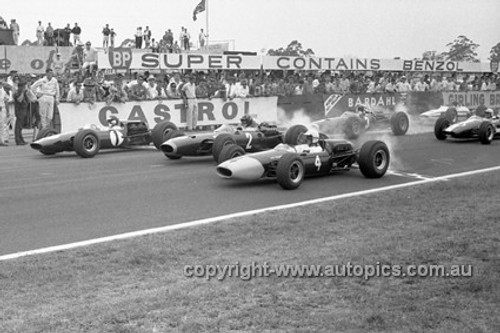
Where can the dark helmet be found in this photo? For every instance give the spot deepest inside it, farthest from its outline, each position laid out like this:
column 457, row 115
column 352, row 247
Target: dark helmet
column 113, row 121
column 246, row 120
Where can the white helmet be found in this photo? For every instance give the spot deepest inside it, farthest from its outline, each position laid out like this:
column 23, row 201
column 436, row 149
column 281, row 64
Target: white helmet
column 312, row 136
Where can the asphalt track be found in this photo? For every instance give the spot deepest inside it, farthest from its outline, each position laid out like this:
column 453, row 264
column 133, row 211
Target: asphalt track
column 54, row 200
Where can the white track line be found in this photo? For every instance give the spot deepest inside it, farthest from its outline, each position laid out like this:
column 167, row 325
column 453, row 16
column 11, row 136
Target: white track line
column 240, row 214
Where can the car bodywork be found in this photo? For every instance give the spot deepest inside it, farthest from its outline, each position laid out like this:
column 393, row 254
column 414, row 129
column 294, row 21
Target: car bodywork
column 452, row 112
column 327, row 157
column 353, row 124
column 89, row 139
column 202, row 144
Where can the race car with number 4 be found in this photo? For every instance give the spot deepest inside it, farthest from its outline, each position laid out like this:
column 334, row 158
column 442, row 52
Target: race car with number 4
column 290, row 164
column 88, row 140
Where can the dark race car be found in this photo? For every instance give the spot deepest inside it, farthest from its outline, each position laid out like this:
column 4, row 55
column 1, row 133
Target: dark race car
column 353, row 124
column 88, row 140
column 251, row 139
column 482, row 125
column 290, row 164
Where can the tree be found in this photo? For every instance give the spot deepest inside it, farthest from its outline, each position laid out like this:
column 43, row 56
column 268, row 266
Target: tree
column 495, row 53
column 294, row 49
column 461, row 49
column 432, row 56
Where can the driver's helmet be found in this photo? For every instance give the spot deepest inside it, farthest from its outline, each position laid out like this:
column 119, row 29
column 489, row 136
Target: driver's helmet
column 113, row 121
column 361, row 108
column 311, row 137
column 246, row 120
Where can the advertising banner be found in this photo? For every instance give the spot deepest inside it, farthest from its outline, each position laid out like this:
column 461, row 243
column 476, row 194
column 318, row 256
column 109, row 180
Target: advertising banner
column 32, row 59
column 335, row 105
column 210, row 112
column 124, row 58
column 473, row 99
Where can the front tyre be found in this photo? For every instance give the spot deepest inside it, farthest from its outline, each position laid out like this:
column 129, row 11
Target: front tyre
column 353, row 128
column 374, row 159
column 441, row 124
column 290, row 171
column 400, row 123
column 293, row 133
column 220, row 142
column 86, row 143
column 486, row 132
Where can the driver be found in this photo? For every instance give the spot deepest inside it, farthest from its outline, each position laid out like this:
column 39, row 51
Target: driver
column 113, row 121
column 248, row 122
column 310, row 142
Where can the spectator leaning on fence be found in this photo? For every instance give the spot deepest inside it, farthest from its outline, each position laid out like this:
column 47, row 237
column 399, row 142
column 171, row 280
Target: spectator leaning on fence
column 48, row 88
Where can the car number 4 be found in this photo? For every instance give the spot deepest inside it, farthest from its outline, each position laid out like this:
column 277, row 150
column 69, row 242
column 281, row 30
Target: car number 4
column 317, row 163
column 249, row 144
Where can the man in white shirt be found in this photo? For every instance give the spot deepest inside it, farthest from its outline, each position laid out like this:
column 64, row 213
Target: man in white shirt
column 4, row 99
column 89, row 57
column 241, row 89
column 48, row 87
column 189, row 94
column 403, row 85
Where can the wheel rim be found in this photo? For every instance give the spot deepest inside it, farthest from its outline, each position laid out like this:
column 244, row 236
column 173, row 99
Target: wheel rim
column 90, row 143
column 380, row 159
column 403, row 123
column 296, row 171
column 490, row 133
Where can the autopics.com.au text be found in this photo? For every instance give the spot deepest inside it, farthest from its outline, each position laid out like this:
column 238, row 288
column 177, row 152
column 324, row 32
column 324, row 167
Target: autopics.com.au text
column 255, row 270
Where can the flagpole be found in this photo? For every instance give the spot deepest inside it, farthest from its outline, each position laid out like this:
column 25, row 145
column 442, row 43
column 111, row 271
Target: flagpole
column 206, row 8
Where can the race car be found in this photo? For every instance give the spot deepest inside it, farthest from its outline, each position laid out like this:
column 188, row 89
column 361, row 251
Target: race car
column 483, row 125
column 353, row 124
column 88, row 140
column 452, row 112
column 251, row 137
column 289, row 164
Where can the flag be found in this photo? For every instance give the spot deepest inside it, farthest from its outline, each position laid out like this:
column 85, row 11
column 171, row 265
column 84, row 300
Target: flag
column 200, row 8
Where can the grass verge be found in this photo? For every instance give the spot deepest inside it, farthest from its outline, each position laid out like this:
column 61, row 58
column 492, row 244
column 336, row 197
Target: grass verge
column 138, row 285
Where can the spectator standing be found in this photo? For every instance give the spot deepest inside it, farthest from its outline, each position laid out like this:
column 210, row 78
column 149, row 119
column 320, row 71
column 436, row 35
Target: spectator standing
column 421, row 85
column 181, row 37
column 76, row 31
column 147, row 37
column 58, row 65
column 39, row 33
column 186, row 39
column 152, row 88
column 21, row 109
column 67, row 34
column 138, row 38
column 241, row 89
column 3, row 24
column 169, row 39
column 89, row 57
column 4, row 98
column 49, row 90
column 49, row 35
column 105, row 36
column 403, row 85
column 155, row 48
column 112, row 35
column 202, row 37
column 15, row 30
column 189, row 94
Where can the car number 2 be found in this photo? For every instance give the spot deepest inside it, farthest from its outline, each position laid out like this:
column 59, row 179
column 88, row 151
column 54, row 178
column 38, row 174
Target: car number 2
column 250, row 138
column 317, row 162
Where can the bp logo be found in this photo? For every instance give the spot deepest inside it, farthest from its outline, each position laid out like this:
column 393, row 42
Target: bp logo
column 494, row 66
column 120, row 58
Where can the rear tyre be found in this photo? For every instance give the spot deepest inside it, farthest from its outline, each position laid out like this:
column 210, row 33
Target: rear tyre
column 374, row 159
column 220, row 142
column 290, row 171
column 400, row 123
column 293, row 133
column 439, row 128
column 46, row 132
column 174, row 134
column 486, row 132
column 161, row 132
column 86, row 143
column 229, row 152
column 353, row 127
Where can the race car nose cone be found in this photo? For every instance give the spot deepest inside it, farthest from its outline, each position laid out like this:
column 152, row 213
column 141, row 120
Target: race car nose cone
column 36, row 146
column 243, row 168
column 168, row 147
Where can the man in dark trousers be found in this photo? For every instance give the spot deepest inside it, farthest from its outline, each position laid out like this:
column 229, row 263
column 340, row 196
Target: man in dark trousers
column 21, row 109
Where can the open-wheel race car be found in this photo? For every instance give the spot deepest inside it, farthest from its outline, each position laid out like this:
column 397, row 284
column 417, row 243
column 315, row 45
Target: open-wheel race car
column 353, row 124
column 250, row 138
column 483, row 124
column 290, row 164
column 88, row 140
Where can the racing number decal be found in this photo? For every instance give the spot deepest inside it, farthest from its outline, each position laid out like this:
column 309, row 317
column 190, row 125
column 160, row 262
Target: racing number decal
column 249, row 144
column 317, row 163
